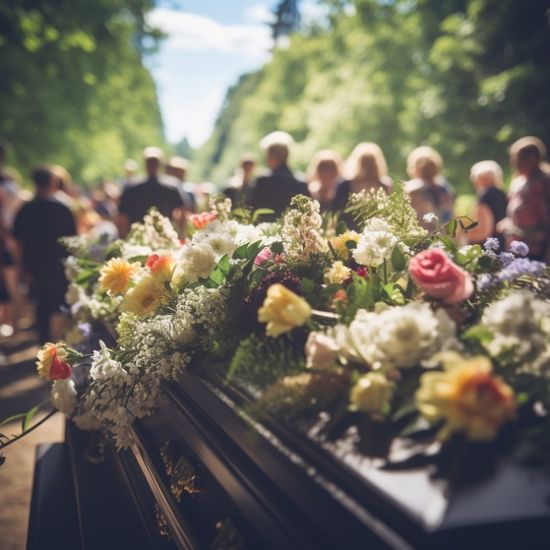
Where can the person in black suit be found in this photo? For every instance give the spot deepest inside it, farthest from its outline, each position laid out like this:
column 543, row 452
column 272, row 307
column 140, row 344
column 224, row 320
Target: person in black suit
column 157, row 190
column 276, row 189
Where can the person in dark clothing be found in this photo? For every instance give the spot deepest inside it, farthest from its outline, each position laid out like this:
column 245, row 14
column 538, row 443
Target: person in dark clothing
column 157, row 190
column 38, row 226
column 276, row 189
column 239, row 184
column 490, row 209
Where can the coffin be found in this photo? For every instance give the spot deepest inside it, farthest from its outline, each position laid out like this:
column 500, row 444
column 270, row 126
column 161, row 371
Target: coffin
column 202, row 473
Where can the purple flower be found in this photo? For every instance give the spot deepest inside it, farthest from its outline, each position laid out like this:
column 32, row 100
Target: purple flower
column 485, row 281
column 521, row 266
column 491, row 244
column 519, row 248
column 506, row 258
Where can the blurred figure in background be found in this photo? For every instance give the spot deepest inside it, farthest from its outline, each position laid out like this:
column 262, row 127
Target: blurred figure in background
column 276, row 189
column 130, row 173
column 178, row 167
column 324, row 175
column 156, row 190
column 429, row 191
column 490, row 209
column 365, row 169
column 64, row 188
column 10, row 202
column 529, row 198
column 239, row 183
column 38, row 226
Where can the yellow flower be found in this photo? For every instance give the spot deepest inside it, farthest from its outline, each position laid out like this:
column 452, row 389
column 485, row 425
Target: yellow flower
column 337, row 273
column 371, row 393
column 338, row 243
column 48, row 355
column 145, row 297
column 467, row 396
column 115, row 275
column 283, row 310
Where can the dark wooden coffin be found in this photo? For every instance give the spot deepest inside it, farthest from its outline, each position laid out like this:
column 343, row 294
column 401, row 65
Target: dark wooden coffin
column 202, row 473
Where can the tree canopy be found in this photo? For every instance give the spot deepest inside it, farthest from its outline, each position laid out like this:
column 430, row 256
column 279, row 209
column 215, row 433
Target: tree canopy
column 465, row 76
column 75, row 90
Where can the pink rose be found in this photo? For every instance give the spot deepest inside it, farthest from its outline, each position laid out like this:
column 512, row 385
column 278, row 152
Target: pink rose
column 264, row 255
column 436, row 275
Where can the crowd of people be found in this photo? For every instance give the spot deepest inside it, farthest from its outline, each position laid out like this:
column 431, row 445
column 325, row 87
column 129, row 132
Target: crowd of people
column 31, row 223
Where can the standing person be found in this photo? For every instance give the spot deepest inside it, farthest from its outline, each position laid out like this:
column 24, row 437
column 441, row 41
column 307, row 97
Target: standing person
column 38, row 226
column 490, row 209
column 276, row 189
column 529, row 199
column 239, row 184
column 324, row 175
column 429, row 191
column 366, row 169
column 177, row 168
column 156, row 190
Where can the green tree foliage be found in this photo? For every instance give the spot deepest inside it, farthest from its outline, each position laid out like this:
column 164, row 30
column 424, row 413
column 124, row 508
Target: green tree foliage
column 465, row 76
column 74, row 87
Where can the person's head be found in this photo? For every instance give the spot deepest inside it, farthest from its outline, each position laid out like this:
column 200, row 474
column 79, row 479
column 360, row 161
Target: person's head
column 367, row 162
column 130, row 168
column 177, row 167
column 325, row 167
column 63, row 180
column 527, row 154
column 424, row 163
column 485, row 174
column 153, row 157
column 277, row 147
column 44, row 180
column 247, row 166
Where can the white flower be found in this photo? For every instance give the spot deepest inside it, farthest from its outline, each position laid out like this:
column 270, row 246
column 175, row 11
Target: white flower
column 71, row 268
column 519, row 324
column 320, row 350
column 376, row 243
column 64, row 396
column 430, row 218
column 196, row 260
column 398, row 337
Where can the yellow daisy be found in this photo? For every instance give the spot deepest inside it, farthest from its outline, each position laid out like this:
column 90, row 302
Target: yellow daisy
column 145, row 297
column 115, row 275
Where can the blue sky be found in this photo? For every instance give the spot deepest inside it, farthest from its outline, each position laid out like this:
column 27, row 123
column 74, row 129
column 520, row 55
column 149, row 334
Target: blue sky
column 209, row 44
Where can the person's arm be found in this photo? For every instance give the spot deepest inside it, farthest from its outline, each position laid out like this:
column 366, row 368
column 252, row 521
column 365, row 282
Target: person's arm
column 485, row 224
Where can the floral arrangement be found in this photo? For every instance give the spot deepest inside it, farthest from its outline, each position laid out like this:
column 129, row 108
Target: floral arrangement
column 383, row 325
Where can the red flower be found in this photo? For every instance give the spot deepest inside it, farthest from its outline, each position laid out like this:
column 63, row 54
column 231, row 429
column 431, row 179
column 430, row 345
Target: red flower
column 60, row 370
column 202, row 220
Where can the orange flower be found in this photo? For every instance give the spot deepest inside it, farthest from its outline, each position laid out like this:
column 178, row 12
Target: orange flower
column 51, row 363
column 115, row 275
column 200, row 221
column 467, row 396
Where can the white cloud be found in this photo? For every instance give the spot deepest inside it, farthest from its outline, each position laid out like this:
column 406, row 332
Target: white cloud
column 259, row 13
column 193, row 32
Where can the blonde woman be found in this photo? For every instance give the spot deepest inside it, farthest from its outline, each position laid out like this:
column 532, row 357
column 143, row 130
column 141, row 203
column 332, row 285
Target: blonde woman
column 324, row 174
column 365, row 169
column 486, row 177
column 429, row 191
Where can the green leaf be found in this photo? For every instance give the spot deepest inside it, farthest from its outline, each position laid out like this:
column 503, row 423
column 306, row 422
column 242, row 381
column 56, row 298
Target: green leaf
column 12, row 418
column 277, row 248
column 479, row 333
column 261, row 212
column 85, row 276
column 451, row 227
column 398, row 260
column 450, row 245
column 341, row 228
column 306, row 285
column 28, row 418
column 393, row 292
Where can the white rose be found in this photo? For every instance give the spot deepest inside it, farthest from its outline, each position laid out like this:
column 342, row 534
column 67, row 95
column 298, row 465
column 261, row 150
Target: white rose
column 195, row 261
column 64, row 396
column 321, row 350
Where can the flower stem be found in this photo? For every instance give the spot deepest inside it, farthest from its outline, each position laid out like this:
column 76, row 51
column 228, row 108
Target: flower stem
column 16, row 438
